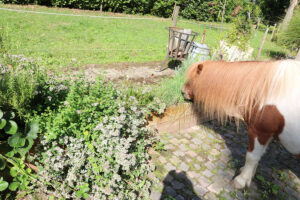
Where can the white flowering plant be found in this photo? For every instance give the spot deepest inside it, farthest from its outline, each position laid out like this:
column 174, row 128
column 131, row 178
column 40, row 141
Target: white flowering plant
column 95, row 145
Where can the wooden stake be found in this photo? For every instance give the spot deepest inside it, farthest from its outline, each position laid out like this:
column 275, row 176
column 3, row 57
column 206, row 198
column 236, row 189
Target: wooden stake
column 278, row 29
column 101, row 8
column 258, row 22
column 273, row 31
column 175, row 16
column 203, row 37
column 298, row 54
column 262, row 43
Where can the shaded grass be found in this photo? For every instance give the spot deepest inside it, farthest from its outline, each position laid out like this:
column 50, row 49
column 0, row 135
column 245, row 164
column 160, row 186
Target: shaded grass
column 169, row 90
column 57, row 42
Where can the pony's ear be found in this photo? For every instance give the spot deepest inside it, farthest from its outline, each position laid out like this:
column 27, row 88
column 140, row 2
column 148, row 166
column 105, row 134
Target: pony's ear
column 199, row 68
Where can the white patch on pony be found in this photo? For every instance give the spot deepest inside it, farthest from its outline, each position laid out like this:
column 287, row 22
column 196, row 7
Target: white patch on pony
column 288, row 104
column 248, row 171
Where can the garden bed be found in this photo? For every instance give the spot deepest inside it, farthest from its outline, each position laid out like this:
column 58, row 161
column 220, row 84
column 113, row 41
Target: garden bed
column 176, row 118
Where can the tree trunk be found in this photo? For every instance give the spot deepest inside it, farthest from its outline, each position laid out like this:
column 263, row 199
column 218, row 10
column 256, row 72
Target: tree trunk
column 289, row 14
column 298, row 54
column 224, row 6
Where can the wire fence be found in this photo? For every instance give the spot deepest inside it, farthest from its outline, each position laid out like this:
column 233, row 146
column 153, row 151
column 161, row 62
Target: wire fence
column 208, row 26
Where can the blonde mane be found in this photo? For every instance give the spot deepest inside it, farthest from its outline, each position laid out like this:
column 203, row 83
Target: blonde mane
column 236, row 88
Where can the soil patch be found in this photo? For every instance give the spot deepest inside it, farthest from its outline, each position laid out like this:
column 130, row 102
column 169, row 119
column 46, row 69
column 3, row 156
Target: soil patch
column 136, row 72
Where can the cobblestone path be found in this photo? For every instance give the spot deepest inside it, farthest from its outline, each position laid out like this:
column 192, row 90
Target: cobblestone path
column 200, row 162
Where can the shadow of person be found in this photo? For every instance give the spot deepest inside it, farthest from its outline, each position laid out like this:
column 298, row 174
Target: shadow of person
column 178, row 186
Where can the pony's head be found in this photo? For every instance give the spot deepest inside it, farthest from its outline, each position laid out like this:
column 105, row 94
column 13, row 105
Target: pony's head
column 189, row 87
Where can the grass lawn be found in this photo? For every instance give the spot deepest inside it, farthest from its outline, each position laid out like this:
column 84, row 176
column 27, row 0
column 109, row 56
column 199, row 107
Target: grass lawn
column 61, row 41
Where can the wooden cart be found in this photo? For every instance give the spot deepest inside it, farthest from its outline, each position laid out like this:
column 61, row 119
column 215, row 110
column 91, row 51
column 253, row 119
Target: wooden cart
column 179, row 44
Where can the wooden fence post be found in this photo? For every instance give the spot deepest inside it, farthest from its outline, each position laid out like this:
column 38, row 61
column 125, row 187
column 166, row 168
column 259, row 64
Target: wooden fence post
column 203, row 36
column 175, row 16
column 278, row 29
column 101, row 8
column 262, row 43
column 273, row 32
column 258, row 22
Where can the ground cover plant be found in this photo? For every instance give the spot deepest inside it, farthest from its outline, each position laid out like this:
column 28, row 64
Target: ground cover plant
column 57, row 42
column 76, row 139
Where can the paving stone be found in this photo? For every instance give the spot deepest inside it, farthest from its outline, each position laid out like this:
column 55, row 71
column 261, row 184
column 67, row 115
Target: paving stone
column 218, row 146
column 203, row 181
column 200, row 159
column 197, row 141
column 196, row 198
column 162, row 159
column 216, row 187
column 169, row 167
column 169, row 178
column 214, row 152
column 177, row 185
column 179, row 174
column 182, row 147
column 201, row 191
column 179, row 153
column 175, row 160
column 205, row 147
column 207, row 173
column 193, row 174
column 188, row 160
column 210, row 165
column 210, row 196
column 197, row 166
column 210, row 158
column 155, row 195
column 184, row 167
column 179, row 197
column 188, row 192
column 193, row 146
column 291, row 192
column 175, row 141
column 184, row 141
column 169, row 191
column 191, row 153
column 170, row 147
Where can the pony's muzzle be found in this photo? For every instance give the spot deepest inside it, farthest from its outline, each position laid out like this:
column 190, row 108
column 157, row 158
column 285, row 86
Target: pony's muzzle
column 186, row 94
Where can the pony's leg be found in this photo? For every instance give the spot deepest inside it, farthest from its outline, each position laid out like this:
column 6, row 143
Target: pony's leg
column 253, row 156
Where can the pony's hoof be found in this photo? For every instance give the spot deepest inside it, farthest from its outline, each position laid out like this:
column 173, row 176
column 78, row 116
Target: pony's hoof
column 239, row 182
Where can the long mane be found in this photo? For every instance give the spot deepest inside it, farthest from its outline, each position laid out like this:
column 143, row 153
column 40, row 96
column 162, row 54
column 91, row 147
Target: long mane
column 237, row 88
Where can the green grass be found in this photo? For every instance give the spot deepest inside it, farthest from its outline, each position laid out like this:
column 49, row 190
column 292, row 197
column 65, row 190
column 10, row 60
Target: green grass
column 65, row 41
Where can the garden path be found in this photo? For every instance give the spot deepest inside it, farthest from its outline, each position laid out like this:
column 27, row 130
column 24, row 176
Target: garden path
column 200, row 162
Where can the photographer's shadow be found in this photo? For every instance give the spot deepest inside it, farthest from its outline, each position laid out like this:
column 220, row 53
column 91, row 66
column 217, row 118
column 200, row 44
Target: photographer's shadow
column 178, row 186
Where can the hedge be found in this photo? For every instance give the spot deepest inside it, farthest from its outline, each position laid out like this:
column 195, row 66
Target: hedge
column 201, row 10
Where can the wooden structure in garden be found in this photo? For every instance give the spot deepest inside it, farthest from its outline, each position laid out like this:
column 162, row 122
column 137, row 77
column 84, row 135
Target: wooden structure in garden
column 180, row 41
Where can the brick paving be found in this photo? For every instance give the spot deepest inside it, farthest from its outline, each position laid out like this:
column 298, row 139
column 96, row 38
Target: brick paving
column 199, row 163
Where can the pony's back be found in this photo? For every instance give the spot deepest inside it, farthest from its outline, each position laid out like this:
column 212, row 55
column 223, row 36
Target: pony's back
column 236, row 88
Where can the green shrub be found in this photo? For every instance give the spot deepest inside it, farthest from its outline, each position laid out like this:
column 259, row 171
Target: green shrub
column 24, row 87
column 240, row 33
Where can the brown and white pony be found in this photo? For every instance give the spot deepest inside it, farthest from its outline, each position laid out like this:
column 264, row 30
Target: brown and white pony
column 266, row 95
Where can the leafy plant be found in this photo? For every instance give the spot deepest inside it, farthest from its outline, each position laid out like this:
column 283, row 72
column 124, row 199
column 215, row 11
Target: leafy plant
column 14, row 145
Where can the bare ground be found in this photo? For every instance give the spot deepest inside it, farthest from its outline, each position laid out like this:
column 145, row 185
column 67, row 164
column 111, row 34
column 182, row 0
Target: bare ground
column 135, row 72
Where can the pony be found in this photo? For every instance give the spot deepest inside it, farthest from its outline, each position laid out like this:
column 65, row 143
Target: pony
column 263, row 94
